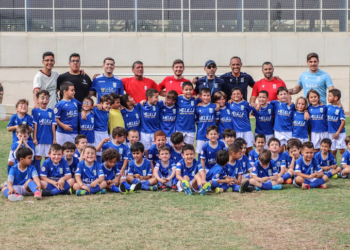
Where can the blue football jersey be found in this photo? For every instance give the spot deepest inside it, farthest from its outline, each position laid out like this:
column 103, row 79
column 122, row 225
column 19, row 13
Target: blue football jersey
column 346, row 158
column 300, row 125
column 283, row 116
column 153, row 153
column 101, row 119
column 262, row 172
column 209, row 153
column 205, row 117
column 87, row 127
column 76, row 154
column 264, row 120
column 224, row 120
column 185, row 119
column 240, row 116
column 216, row 173
column 234, row 170
column 280, row 162
column 165, row 171
column 167, row 119
column 132, row 118
column 150, row 117
column 103, row 85
column 87, row 173
column 318, row 118
column 15, row 145
column 68, row 113
column 15, row 120
column 17, row 177
column 73, row 165
column 53, row 171
column 253, row 157
column 122, row 149
column 143, row 169
column 334, row 117
column 329, row 161
column 44, row 119
column 175, row 155
column 190, row 171
column 302, row 167
column 244, row 163
column 109, row 173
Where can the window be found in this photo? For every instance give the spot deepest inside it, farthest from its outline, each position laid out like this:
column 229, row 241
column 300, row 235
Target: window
column 12, row 4
column 67, row 20
column 149, row 21
column 95, row 4
column 255, row 21
column 39, row 20
column 232, row 4
column 95, row 20
column 202, row 20
column 255, row 4
column 202, row 4
column 282, row 4
column 172, row 21
column 12, row 20
column 121, row 3
column 122, row 20
column 334, row 4
column 229, row 21
column 175, row 4
column 67, row 3
column 282, row 20
column 334, row 20
column 308, row 21
column 308, row 4
column 39, row 4
column 149, row 4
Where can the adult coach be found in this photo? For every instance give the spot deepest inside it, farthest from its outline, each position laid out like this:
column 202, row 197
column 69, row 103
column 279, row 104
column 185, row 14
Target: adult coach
column 46, row 79
column 82, row 82
column 210, row 81
column 137, row 85
column 236, row 78
column 268, row 83
column 106, row 83
column 174, row 82
column 314, row 78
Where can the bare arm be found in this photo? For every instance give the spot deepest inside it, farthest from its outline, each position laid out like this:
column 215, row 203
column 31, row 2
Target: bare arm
column 35, row 141
column 178, row 175
column 36, row 101
column 295, row 90
column 92, row 93
column 54, row 134
column 64, row 126
column 48, row 180
column 252, row 100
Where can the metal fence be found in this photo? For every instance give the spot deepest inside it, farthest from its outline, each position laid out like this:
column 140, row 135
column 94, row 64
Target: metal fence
column 174, row 15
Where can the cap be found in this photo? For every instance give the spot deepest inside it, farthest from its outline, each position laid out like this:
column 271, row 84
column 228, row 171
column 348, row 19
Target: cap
column 207, row 63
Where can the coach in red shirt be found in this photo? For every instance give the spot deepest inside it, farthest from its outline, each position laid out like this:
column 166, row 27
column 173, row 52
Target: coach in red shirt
column 137, row 85
column 268, row 83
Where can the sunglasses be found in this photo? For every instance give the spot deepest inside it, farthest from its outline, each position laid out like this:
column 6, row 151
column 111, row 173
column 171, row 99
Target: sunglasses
column 211, row 67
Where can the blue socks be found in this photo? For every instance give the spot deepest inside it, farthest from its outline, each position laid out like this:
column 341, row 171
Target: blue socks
column 215, row 184
column 37, row 166
column 316, row 183
column 94, row 190
column 266, row 185
column 114, row 189
column 6, row 193
column 32, row 186
column 56, row 191
column 135, row 181
column 286, row 176
column 329, row 174
column 145, row 185
column 235, row 187
column 126, row 185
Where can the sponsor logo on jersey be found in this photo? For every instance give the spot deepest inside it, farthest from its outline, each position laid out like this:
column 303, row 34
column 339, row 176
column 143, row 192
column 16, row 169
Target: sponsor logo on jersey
column 84, row 82
column 263, row 86
column 215, row 85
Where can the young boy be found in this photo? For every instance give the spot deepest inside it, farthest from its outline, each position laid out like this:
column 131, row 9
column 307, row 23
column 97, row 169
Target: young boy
column 89, row 176
column 326, row 159
column 150, row 117
column 23, row 178
column 345, row 160
column 168, row 115
column 55, row 174
column 229, row 136
column 159, row 141
column 68, row 152
column 278, row 159
column 101, row 122
column 140, row 170
column 133, row 136
column 260, row 143
column 244, row 160
column 185, row 119
column 205, row 117
column 264, row 173
column 177, row 140
column 240, row 111
column 291, row 156
column 190, row 173
column 66, row 112
column 44, row 127
column 308, row 171
column 87, row 125
column 164, row 170
column 80, row 143
column 21, row 117
column 131, row 113
column 209, row 149
column 115, row 116
column 336, row 122
column 264, row 116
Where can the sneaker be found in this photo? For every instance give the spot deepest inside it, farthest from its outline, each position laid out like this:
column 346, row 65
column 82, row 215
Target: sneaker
column 186, row 187
column 46, row 193
column 243, row 187
column 37, row 195
column 339, row 175
column 277, row 187
column 289, row 181
column 163, row 188
column 152, row 188
column 174, row 188
column 15, row 197
column 206, row 188
column 81, row 192
column 103, row 191
column 229, row 189
column 305, row 186
column 135, row 187
column 323, row 186
column 250, row 189
column 67, row 192
column 219, row 190
column 122, row 189
column 335, row 176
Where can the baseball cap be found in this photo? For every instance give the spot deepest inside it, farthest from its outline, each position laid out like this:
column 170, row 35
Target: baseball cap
column 207, row 63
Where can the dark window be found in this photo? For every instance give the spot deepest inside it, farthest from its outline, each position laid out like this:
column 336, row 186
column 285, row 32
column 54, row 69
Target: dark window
column 308, row 21
column 95, row 4
column 12, row 4
column 122, row 3
column 334, row 4
column 12, row 20
column 172, row 20
column 67, row 3
column 282, row 4
column 203, row 20
column 255, row 4
column 202, row 4
column 39, row 20
column 67, row 20
column 308, row 4
column 282, row 20
column 232, row 4
column 39, row 4
column 149, row 20
column 122, row 20
column 255, row 21
column 229, row 21
column 149, row 4
column 334, row 20
column 95, row 20
column 175, row 4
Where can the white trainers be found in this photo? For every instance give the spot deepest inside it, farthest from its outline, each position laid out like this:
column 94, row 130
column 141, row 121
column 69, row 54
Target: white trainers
column 15, row 197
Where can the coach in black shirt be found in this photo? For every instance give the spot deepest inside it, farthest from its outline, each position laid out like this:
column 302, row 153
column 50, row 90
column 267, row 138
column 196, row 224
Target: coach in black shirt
column 81, row 81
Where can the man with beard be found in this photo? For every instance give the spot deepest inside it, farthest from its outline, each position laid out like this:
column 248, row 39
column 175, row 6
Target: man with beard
column 268, row 83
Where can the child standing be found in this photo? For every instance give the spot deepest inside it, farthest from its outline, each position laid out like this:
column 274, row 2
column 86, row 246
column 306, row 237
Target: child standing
column 87, row 125
column 300, row 124
column 131, row 113
column 177, row 140
column 168, row 115
column 223, row 116
column 115, row 116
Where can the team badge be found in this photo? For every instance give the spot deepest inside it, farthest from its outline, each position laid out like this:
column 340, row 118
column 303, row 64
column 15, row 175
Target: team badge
column 77, row 170
column 337, row 112
column 157, row 165
column 114, row 85
column 321, row 110
column 242, row 79
column 121, row 151
column 250, row 157
column 270, row 172
column 137, row 116
column 26, row 176
column 263, row 86
column 144, row 172
column 254, row 168
column 94, row 171
column 61, row 170
column 274, row 86
column 192, row 103
column 92, row 120
column 242, row 107
column 43, row 169
column 228, row 111
column 215, row 85
column 269, row 110
column 174, row 111
column 210, row 110
column 193, row 173
column 181, row 84
column 145, row 87
column 24, row 122
column 328, row 163
column 171, row 81
column 244, row 164
column 236, row 170
column 312, row 170
column 278, row 164
column 230, row 80
column 288, row 107
column 154, row 108
column 50, row 115
column 297, row 167
column 37, row 149
column 217, row 175
column 75, row 104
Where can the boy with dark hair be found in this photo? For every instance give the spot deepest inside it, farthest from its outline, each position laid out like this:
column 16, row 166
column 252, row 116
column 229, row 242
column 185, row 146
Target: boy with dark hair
column 23, row 178
column 264, row 173
column 164, row 170
column 87, row 120
column 159, row 141
column 293, row 151
column 278, row 159
column 326, row 159
column 308, row 171
column 131, row 113
column 260, row 142
column 168, row 115
column 244, row 160
column 345, row 160
column 68, row 152
column 66, row 112
column 80, row 143
column 177, row 140
column 229, row 136
column 115, row 116
column 55, row 174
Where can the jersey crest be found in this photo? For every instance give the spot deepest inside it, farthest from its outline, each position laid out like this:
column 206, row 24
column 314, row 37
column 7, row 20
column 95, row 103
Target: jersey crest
column 274, row 86
column 242, row 79
column 114, row 85
column 92, row 120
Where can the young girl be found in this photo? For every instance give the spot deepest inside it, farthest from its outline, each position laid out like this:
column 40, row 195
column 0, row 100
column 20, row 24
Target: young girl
column 223, row 116
column 318, row 118
column 300, row 125
column 86, row 123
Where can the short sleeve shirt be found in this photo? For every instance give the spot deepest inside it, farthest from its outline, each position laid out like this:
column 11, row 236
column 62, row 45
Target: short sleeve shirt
column 137, row 89
column 270, row 86
column 170, row 83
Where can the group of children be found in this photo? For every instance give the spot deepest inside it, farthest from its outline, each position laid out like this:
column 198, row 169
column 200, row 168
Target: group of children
column 154, row 149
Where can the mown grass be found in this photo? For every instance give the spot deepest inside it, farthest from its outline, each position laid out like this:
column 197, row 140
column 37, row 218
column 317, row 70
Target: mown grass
column 287, row 219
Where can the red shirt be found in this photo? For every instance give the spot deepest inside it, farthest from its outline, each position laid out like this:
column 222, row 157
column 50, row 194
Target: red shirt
column 270, row 86
column 137, row 89
column 170, row 83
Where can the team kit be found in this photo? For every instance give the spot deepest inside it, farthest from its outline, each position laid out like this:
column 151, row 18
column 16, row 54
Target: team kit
column 158, row 145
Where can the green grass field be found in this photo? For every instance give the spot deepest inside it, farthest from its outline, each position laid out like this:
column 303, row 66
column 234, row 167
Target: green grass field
column 286, row 219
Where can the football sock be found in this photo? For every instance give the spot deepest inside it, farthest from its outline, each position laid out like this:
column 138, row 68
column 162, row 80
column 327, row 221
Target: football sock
column 329, row 174
column 316, row 183
column 96, row 189
column 6, row 193
column 58, row 191
column 32, row 186
column 225, row 186
column 126, row 185
column 214, row 184
column 286, row 176
column 199, row 187
column 37, row 166
column 266, row 185
column 145, row 185
column 115, row 189
column 50, row 186
column 135, row 181
column 235, row 187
